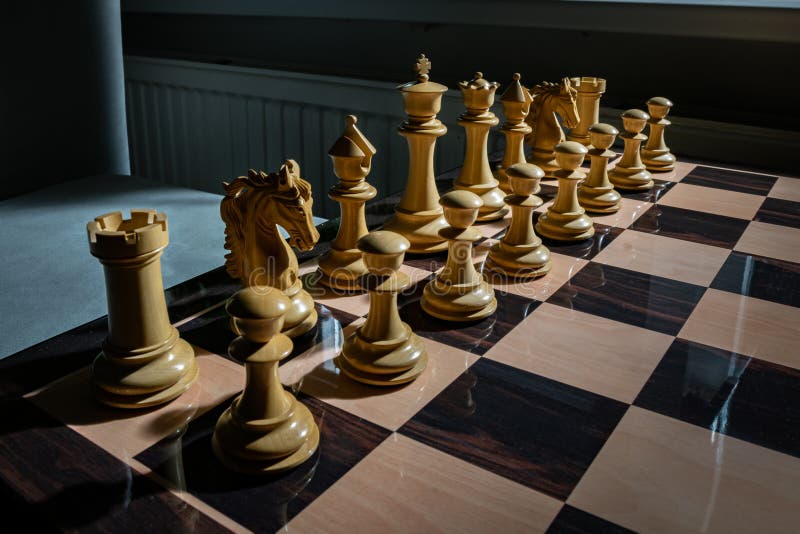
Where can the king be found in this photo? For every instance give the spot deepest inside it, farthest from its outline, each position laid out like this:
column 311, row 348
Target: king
column 419, row 217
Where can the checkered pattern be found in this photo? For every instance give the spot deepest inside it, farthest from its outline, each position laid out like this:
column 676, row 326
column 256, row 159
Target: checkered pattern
column 649, row 382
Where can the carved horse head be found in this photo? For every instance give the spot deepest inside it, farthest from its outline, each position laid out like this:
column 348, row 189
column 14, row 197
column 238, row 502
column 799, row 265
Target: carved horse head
column 550, row 99
column 252, row 208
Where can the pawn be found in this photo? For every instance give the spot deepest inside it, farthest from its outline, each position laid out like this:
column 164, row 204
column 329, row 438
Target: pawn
column 596, row 194
column 655, row 154
column 459, row 292
column 265, row 430
column 630, row 173
column 520, row 253
column 383, row 351
column 565, row 219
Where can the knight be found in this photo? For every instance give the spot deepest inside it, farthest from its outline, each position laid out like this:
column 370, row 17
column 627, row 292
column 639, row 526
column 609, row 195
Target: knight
column 549, row 100
column 253, row 207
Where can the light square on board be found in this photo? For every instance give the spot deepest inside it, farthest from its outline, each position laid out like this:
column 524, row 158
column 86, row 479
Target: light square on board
column 586, row 351
column 315, row 373
column 658, row 474
column 717, row 201
column 405, row 486
column 676, row 259
column 746, row 325
column 677, row 174
column 771, row 241
column 125, row 433
column 786, row 189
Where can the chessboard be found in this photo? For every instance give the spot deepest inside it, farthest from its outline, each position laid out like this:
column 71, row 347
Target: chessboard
column 649, row 382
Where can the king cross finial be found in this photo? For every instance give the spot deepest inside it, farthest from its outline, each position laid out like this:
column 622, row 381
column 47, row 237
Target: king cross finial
column 422, row 66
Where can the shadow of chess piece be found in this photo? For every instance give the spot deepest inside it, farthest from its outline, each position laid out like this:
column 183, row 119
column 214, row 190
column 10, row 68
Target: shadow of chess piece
column 383, row 351
column 630, row 174
column 144, row 361
column 476, row 173
column 596, row 194
column 656, row 155
column 565, row 219
column 516, row 102
column 520, row 253
column 418, row 216
column 265, row 430
column 459, row 293
column 342, row 267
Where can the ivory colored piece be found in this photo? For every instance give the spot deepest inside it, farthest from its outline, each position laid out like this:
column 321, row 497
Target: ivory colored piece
column 418, row 217
column 516, row 102
column 596, row 194
column 590, row 90
column 253, row 207
column 265, row 429
column 342, row 267
column 476, row 173
column 459, row 293
column 144, row 361
column 383, row 351
column 656, row 155
column 549, row 100
column 565, row 219
column 630, row 174
column 520, row 253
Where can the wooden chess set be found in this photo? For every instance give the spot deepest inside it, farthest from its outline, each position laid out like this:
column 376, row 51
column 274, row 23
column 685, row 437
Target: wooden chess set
column 494, row 339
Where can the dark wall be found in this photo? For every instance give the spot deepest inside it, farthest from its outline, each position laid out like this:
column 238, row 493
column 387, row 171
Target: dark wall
column 62, row 107
column 727, row 80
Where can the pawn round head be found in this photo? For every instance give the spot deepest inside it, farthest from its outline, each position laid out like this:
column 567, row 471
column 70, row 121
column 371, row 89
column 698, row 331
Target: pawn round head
column 258, row 312
column 634, row 120
column 383, row 251
column 658, row 106
column 460, row 208
column 524, row 178
column 570, row 154
column 602, row 135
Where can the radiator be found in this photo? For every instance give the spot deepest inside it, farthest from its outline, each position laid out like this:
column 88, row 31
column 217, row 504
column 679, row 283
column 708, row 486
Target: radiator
column 197, row 124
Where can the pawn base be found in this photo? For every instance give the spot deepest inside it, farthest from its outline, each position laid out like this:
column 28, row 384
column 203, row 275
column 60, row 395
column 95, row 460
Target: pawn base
column 342, row 269
column 234, row 446
column 630, row 178
column 658, row 160
column 383, row 363
column 565, row 226
column 545, row 161
column 122, row 385
column 599, row 199
column 302, row 316
column 459, row 303
column 521, row 262
column 375, row 379
column 421, row 230
column 494, row 206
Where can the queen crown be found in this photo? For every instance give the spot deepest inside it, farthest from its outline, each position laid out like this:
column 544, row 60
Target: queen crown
column 478, row 94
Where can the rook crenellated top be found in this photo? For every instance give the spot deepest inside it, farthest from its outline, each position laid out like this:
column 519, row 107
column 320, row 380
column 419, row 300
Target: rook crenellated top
column 113, row 236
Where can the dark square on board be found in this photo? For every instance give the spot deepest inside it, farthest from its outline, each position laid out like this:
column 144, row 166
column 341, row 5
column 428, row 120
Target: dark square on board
column 762, row 278
column 743, row 182
column 630, row 297
column 779, row 211
column 725, row 392
column 689, row 225
column 530, row 429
